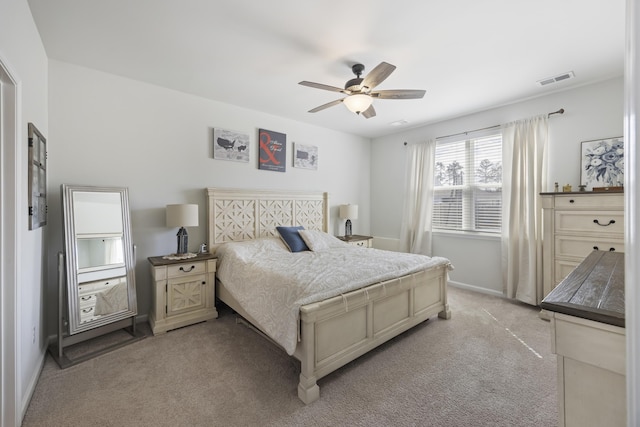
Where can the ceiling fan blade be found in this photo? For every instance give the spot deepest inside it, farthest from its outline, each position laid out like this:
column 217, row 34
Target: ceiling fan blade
column 369, row 112
column 377, row 75
column 398, row 94
column 327, row 105
column 324, row 87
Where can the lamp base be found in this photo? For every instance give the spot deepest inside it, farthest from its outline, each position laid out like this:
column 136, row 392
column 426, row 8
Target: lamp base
column 183, row 241
column 347, row 228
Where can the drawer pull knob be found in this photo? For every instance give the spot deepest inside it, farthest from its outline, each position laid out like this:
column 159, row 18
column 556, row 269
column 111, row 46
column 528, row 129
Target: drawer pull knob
column 204, row 283
column 595, row 248
column 612, row 221
column 571, row 201
column 186, row 271
column 612, row 249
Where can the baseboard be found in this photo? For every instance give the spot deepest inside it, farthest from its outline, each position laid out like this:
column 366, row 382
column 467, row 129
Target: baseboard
column 476, row 288
column 31, row 386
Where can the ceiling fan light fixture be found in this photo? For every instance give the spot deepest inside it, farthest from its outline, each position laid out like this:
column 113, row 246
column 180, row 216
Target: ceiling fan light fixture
column 357, row 103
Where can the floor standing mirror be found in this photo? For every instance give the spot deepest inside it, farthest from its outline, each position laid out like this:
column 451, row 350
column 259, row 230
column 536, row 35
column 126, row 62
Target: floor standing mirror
column 97, row 291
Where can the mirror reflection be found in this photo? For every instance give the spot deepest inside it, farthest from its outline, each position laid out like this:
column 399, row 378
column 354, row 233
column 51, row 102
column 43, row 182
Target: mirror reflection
column 97, row 252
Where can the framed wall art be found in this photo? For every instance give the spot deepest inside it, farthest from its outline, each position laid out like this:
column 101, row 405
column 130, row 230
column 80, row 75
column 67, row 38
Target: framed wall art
column 305, row 156
column 602, row 163
column 230, row 145
column 37, row 178
column 273, row 150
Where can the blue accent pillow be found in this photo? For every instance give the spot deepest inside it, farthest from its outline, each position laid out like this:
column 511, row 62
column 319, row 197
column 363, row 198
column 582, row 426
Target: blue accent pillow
column 292, row 238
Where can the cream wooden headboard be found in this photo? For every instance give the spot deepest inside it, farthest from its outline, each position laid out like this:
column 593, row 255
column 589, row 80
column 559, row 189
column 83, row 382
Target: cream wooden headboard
column 237, row 214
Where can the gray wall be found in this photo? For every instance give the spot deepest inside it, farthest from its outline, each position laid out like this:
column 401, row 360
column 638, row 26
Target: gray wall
column 591, row 112
column 111, row 131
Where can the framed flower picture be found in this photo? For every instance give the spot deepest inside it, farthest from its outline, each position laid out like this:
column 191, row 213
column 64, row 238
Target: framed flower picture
column 602, row 163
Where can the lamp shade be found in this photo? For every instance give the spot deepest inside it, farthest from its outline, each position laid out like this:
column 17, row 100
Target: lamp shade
column 358, row 103
column 348, row 211
column 182, row 215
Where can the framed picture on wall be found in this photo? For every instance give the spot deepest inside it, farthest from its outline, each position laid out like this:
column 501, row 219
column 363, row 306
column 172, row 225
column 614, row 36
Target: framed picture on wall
column 305, row 156
column 230, row 145
column 273, row 150
column 37, row 175
column 602, row 163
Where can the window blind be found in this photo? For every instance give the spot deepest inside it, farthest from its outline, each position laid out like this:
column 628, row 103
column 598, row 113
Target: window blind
column 468, row 184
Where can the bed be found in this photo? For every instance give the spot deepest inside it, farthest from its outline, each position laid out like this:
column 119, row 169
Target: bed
column 334, row 330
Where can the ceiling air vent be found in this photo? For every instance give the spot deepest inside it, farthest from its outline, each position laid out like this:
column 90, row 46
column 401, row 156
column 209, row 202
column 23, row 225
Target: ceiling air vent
column 556, row 79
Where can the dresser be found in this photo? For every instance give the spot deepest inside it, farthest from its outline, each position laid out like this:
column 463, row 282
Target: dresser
column 587, row 313
column 574, row 225
column 182, row 291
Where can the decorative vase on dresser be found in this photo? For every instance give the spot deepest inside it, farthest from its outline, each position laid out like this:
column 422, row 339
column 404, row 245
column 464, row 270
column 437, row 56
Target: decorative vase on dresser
column 575, row 224
column 182, row 292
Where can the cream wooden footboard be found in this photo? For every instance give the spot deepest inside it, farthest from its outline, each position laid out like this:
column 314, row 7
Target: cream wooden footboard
column 340, row 329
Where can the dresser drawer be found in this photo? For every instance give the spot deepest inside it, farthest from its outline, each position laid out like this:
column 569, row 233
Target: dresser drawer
column 563, row 268
column 90, row 288
column 580, row 247
column 186, row 268
column 591, row 201
column 603, row 222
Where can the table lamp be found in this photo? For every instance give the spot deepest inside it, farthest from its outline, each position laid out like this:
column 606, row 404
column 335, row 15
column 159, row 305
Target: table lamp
column 348, row 212
column 182, row 216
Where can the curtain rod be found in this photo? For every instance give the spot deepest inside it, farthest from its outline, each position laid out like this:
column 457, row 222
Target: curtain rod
column 560, row 111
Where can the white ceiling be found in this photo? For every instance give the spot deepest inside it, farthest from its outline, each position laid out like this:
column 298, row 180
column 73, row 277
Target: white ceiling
column 467, row 54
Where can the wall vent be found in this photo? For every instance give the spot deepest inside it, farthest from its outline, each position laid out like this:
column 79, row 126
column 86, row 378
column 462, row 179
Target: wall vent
column 556, row 79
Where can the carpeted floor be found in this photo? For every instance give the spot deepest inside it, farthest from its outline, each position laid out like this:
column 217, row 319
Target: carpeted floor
column 489, row 365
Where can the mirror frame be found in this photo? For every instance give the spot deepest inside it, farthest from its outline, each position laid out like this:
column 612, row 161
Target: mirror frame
column 71, row 262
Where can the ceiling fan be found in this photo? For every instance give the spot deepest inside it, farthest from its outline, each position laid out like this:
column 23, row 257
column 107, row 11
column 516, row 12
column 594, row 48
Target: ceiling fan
column 360, row 93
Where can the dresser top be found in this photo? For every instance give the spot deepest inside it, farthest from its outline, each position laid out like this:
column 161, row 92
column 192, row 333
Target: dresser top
column 581, row 193
column 594, row 290
column 159, row 260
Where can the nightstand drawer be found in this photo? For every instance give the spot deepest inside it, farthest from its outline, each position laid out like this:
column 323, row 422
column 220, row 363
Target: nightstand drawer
column 179, row 270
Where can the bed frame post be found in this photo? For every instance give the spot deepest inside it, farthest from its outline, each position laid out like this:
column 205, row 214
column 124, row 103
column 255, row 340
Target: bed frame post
column 446, row 313
column 308, row 390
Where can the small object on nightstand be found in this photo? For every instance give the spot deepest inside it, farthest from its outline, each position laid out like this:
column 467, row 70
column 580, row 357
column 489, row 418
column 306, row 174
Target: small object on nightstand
column 566, row 188
column 356, row 240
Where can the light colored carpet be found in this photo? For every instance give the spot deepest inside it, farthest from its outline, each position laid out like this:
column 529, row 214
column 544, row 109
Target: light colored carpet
column 489, row 365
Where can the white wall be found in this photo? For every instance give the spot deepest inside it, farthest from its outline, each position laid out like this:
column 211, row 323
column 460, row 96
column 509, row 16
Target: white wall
column 111, row 131
column 23, row 54
column 591, row 112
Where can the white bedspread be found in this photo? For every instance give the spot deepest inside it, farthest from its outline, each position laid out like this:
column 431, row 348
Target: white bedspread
column 272, row 283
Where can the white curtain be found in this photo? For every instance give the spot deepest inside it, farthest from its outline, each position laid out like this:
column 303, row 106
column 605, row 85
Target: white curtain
column 418, row 198
column 524, row 177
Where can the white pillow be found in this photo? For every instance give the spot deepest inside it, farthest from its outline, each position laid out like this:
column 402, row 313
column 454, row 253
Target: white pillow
column 318, row 240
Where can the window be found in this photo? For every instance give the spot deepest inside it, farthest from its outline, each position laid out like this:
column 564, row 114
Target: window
column 468, row 184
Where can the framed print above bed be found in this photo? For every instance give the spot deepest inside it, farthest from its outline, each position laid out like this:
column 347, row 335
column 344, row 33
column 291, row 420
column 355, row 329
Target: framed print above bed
column 230, row 145
column 305, row 156
column 273, row 150
column 602, row 163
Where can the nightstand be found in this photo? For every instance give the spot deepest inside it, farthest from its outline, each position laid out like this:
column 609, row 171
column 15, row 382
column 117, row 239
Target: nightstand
column 182, row 292
column 363, row 241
